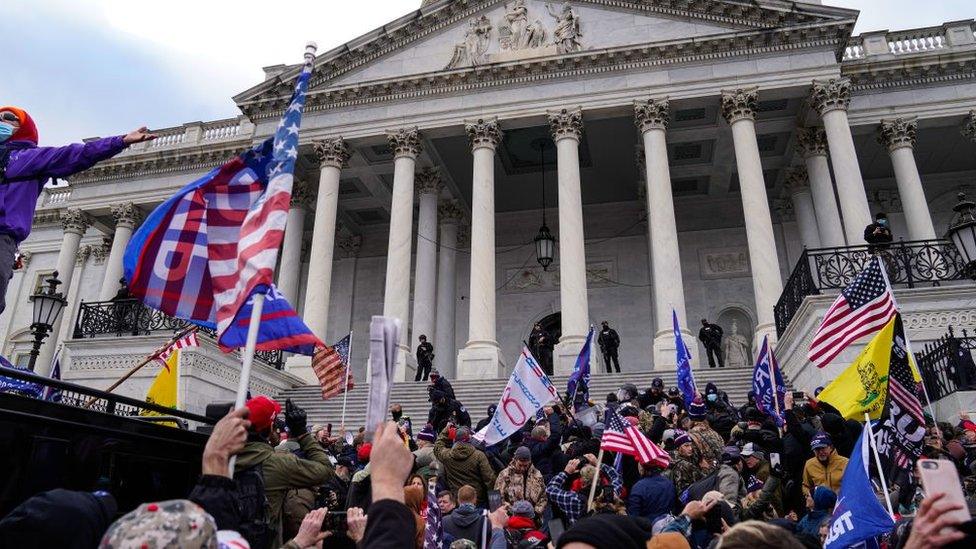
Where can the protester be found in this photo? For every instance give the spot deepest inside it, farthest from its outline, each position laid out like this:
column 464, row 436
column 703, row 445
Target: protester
column 572, row 501
column 446, row 502
column 467, row 521
column 826, row 468
column 464, row 464
column 653, row 496
column 878, row 234
column 522, row 481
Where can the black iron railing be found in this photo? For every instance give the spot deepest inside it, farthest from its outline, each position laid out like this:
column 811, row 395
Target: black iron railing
column 125, row 317
column 947, row 364
column 909, row 264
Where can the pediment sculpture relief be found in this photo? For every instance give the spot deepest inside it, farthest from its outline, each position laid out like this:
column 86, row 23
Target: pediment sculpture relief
column 518, row 33
column 567, row 33
column 473, row 50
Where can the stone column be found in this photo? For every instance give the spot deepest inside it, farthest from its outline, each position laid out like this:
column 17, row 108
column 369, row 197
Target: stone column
column 481, row 357
column 969, row 126
column 739, row 108
column 425, row 270
column 812, row 144
column 567, row 127
column 450, row 215
column 831, row 98
column 405, row 143
column 290, row 266
column 127, row 216
column 75, row 223
column 652, row 118
column 806, row 216
column 898, row 136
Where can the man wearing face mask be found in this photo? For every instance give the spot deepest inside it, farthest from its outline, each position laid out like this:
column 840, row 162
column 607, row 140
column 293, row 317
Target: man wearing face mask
column 878, row 234
column 25, row 168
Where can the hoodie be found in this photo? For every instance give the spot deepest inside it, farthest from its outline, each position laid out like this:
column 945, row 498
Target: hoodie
column 465, row 523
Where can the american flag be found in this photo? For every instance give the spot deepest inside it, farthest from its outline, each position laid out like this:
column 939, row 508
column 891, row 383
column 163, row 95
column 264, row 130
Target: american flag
column 206, row 252
column 434, row 527
column 861, row 309
column 189, row 340
column 331, row 366
column 903, row 421
column 620, row 436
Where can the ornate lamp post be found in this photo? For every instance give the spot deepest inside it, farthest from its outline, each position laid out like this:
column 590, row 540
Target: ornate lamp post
column 48, row 304
column 962, row 233
column 545, row 243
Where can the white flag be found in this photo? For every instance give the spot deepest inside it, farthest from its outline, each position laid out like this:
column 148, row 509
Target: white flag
column 527, row 391
column 384, row 333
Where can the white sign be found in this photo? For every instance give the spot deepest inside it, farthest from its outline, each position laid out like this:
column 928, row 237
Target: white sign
column 527, row 391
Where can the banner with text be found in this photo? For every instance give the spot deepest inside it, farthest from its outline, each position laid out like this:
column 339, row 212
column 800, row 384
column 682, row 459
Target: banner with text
column 528, row 390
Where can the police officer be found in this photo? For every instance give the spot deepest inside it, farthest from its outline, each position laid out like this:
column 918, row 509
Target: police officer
column 609, row 343
column 711, row 337
column 425, row 359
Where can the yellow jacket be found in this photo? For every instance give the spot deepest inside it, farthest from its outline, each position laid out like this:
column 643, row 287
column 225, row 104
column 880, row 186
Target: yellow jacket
column 818, row 474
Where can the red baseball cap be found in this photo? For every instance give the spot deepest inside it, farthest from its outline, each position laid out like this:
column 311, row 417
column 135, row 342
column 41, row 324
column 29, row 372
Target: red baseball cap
column 263, row 412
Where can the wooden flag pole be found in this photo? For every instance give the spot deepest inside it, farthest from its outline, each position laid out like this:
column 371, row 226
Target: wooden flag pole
column 247, row 359
column 596, row 480
column 877, row 461
column 345, row 385
column 176, row 337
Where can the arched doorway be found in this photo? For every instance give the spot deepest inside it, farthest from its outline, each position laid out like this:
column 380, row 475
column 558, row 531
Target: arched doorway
column 553, row 324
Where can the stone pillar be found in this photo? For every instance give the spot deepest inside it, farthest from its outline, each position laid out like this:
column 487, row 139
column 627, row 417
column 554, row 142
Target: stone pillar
column 739, row 108
column 127, row 216
column 290, row 266
column 812, row 144
column 806, row 216
column 898, row 136
column 652, row 118
column 405, row 144
column 831, row 98
column 333, row 154
column 969, row 126
column 75, row 223
column 444, row 340
column 481, row 358
column 567, row 127
column 425, row 269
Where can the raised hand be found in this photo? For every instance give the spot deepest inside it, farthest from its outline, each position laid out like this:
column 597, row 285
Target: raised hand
column 138, row 136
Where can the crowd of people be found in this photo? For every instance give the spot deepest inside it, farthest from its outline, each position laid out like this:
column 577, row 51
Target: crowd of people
column 733, row 480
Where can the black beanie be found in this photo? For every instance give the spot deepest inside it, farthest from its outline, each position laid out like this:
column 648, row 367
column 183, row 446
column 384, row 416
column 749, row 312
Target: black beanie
column 610, row 530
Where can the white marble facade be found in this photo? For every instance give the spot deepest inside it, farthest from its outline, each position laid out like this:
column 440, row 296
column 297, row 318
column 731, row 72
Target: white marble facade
column 420, row 182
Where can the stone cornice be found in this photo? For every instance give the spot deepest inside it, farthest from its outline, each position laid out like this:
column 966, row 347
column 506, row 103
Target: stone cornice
column 877, row 76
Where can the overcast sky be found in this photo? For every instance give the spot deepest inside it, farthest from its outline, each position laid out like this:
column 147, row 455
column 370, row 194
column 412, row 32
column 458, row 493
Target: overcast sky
column 99, row 67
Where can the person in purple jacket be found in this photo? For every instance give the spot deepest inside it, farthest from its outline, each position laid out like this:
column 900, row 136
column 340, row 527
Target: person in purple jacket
column 24, row 170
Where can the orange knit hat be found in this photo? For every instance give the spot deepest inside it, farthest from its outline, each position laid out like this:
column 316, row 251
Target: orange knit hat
column 27, row 130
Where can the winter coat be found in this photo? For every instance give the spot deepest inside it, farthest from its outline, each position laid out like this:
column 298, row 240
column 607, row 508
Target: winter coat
column 425, row 462
column 529, row 486
column 390, row 526
column 360, row 490
column 652, row 497
column 543, row 450
column 818, row 474
column 464, row 464
column 731, row 485
column 810, row 523
column 466, row 522
column 29, row 167
column 218, row 496
column 708, row 443
column 283, row 472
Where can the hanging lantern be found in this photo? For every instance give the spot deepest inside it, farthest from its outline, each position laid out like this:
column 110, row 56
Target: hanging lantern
column 962, row 233
column 545, row 247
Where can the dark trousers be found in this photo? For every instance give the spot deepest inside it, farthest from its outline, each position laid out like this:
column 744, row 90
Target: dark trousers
column 545, row 360
column 608, row 355
column 423, row 370
column 714, row 352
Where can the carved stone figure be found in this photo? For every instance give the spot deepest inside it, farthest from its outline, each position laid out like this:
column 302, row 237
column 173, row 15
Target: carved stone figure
column 518, row 33
column 735, row 348
column 567, row 34
column 474, row 48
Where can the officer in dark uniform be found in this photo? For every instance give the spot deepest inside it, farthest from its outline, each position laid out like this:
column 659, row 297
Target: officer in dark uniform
column 609, row 343
column 425, row 359
column 711, row 337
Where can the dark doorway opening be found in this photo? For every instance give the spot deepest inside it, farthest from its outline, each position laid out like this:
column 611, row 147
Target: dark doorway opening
column 553, row 324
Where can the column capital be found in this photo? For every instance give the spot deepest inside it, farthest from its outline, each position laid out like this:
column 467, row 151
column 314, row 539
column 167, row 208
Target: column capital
column 75, row 221
column 566, row 123
column 829, row 95
column 126, row 214
column 969, row 126
column 450, row 211
column 811, row 141
column 332, row 152
column 349, row 244
column 428, row 181
column 484, row 132
column 83, row 253
column 652, row 114
column 740, row 104
column 301, row 195
column 100, row 253
column 897, row 133
column 797, row 180
column 405, row 142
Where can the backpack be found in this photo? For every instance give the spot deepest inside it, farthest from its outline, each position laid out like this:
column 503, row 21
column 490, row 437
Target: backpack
column 253, row 507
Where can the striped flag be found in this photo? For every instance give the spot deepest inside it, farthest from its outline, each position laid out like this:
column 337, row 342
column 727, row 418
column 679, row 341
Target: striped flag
column 902, row 429
column 861, row 309
column 189, row 340
column 331, row 366
column 620, row 436
column 434, row 526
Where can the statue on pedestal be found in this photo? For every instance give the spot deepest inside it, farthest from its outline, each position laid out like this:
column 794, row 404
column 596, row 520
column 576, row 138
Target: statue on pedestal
column 735, row 348
column 518, row 33
column 473, row 50
column 567, row 33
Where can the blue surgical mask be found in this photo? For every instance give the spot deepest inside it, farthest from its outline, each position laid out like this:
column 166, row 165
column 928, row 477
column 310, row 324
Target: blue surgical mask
column 712, row 397
column 6, row 130
column 883, row 222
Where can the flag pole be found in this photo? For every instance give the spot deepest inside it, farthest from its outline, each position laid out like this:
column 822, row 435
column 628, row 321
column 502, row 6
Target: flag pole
column 596, row 480
column 345, row 385
column 877, row 461
column 247, row 359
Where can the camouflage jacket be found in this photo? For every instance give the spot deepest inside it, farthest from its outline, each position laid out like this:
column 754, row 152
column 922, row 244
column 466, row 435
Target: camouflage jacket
column 529, row 486
column 684, row 472
column 707, row 442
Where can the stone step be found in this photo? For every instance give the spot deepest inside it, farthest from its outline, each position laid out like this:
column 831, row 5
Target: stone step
column 477, row 395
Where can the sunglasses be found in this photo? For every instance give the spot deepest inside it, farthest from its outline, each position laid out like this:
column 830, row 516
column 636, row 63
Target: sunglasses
column 7, row 116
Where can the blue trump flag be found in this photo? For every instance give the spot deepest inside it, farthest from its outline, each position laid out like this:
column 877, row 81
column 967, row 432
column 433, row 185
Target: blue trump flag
column 858, row 516
column 686, row 380
column 579, row 380
column 765, row 376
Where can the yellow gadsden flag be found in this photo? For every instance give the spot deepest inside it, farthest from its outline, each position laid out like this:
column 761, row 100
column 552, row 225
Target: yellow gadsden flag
column 863, row 386
column 163, row 390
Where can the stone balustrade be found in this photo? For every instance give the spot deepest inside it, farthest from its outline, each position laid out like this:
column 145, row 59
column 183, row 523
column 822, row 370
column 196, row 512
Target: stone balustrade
column 195, row 133
column 948, row 36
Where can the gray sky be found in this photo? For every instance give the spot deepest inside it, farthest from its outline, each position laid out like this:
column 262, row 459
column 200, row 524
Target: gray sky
column 100, row 67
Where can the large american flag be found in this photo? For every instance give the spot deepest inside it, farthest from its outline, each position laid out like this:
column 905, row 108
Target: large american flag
column 620, row 436
column 331, row 366
column 861, row 309
column 434, row 527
